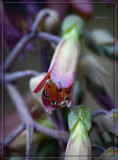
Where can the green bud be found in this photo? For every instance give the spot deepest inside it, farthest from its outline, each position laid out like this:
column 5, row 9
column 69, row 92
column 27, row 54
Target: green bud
column 79, row 147
column 72, row 25
column 80, row 113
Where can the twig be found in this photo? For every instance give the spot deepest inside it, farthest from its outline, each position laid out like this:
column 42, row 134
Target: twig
column 40, row 16
column 29, row 122
column 49, row 37
column 19, row 103
column 17, row 50
column 52, row 120
column 23, row 42
column 61, row 126
column 23, row 112
column 102, row 149
column 98, row 112
column 57, row 134
column 26, row 39
column 14, row 134
column 61, row 121
column 30, row 131
column 18, row 75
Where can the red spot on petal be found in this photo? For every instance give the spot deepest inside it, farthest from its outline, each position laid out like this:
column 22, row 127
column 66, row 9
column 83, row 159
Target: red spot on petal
column 54, row 96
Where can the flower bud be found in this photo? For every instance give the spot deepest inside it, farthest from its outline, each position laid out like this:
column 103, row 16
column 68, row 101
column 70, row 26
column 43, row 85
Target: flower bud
column 110, row 122
column 52, row 21
column 79, row 144
column 72, row 21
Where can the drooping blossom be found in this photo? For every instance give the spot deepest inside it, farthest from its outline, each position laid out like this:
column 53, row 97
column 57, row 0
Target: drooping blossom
column 58, row 84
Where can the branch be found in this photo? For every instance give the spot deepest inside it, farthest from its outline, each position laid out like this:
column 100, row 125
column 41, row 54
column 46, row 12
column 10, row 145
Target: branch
column 49, row 37
column 40, row 16
column 57, row 134
column 14, row 134
column 102, row 149
column 26, row 39
column 23, row 42
column 30, row 124
column 18, row 75
column 17, row 50
column 98, row 112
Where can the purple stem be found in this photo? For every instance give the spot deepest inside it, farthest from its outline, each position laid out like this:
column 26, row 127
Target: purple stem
column 18, row 75
column 25, row 40
column 10, row 60
column 98, row 112
column 14, row 134
column 29, row 122
column 102, row 149
column 49, row 37
column 61, row 120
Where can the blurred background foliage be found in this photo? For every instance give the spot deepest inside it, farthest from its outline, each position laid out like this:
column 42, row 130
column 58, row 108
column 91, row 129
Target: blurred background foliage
column 17, row 19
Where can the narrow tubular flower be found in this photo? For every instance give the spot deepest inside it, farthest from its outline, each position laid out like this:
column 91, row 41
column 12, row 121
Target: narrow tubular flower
column 58, row 84
column 79, row 147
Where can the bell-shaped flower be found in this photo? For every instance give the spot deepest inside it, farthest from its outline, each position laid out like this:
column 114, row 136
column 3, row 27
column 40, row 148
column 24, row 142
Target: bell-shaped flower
column 79, row 147
column 57, row 86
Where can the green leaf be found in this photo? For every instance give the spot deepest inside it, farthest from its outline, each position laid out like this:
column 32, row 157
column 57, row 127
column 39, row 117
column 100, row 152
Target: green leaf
column 81, row 113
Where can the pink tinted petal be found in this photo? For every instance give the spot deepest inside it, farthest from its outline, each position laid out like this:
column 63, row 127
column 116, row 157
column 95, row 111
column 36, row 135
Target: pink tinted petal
column 49, row 108
column 64, row 64
column 42, row 83
column 61, row 79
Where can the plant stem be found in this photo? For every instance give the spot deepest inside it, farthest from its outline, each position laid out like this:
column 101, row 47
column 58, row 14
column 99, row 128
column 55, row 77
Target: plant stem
column 98, row 112
column 18, row 75
column 30, row 124
column 14, row 134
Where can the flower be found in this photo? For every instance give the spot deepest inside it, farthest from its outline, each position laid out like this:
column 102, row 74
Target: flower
column 58, row 84
column 110, row 122
column 79, row 144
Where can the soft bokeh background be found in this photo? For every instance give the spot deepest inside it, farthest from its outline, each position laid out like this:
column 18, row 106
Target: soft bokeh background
column 31, row 60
